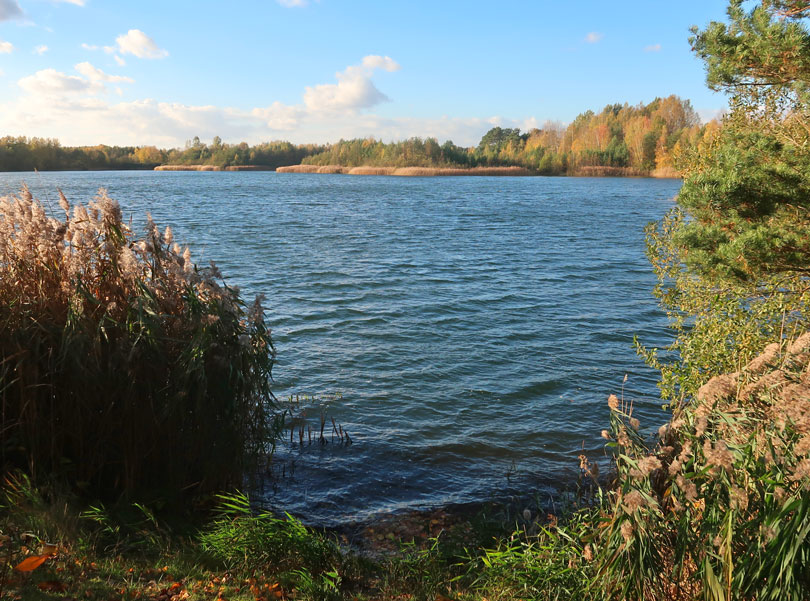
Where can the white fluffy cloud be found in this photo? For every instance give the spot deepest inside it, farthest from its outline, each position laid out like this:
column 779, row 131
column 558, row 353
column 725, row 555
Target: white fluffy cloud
column 50, row 82
column 95, row 74
column 10, row 9
column 75, row 109
column 6, row 47
column 653, row 48
column 76, row 2
column 354, row 89
column 41, row 49
column 139, row 44
column 280, row 117
column 593, row 37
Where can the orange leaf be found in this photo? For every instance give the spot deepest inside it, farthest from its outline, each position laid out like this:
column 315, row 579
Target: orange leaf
column 29, row 564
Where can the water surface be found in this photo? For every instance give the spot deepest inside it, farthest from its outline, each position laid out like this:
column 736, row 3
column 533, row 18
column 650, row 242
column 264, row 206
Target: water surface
column 465, row 331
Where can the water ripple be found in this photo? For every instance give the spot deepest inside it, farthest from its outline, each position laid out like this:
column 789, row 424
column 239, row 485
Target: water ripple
column 471, row 328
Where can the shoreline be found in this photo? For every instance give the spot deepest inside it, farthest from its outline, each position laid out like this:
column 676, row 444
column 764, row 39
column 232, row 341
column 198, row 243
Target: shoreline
column 213, row 168
column 615, row 172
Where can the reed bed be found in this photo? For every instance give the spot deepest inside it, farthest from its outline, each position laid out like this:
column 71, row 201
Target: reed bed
column 405, row 171
column 605, row 171
column 124, row 367
column 720, row 508
column 450, row 171
column 312, row 169
column 248, row 168
column 368, row 170
column 666, row 173
column 188, row 168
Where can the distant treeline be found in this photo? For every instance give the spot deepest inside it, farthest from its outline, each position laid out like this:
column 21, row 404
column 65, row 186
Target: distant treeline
column 619, row 140
column 45, row 154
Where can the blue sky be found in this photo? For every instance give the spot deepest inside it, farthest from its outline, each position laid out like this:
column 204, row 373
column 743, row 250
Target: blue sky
column 148, row 72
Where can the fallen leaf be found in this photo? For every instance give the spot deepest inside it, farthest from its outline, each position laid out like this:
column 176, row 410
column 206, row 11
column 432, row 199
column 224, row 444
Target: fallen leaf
column 29, row 564
column 52, row 586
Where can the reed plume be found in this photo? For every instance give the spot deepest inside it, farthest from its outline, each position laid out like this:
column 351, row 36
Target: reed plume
column 124, row 367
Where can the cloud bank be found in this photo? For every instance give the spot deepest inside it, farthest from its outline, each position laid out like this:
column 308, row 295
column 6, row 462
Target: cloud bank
column 77, row 108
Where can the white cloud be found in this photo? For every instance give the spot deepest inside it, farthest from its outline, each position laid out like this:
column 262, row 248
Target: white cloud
column 89, row 47
column 653, row 48
column 707, row 115
column 76, row 2
column 50, row 82
column 280, row 117
column 293, row 3
column 593, row 37
column 354, row 89
column 120, row 61
column 74, row 109
column 41, row 49
column 10, row 9
column 95, row 74
column 6, row 47
column 139, row 44
column 386, row 63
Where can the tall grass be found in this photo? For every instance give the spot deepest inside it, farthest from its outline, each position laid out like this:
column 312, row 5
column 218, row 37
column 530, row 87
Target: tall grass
column 124, row 367
column 720, row 508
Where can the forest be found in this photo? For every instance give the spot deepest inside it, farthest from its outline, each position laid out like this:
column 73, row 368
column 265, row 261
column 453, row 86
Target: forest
column 645, row 139
column 619, row 140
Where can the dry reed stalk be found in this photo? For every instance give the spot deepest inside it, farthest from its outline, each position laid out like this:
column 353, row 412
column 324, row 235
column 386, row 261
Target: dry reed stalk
column 188, row 168
column 368, row 170
column 605, row 171
column 122, row 364
column 666, row 173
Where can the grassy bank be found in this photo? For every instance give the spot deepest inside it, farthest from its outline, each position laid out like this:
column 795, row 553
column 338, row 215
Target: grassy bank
column 55, row 548
column 716, row 507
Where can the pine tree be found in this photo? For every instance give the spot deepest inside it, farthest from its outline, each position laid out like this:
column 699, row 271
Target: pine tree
column 733, row 258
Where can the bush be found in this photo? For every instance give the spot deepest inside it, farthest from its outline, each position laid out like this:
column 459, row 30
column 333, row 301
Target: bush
column 123, row 366
column 722, row 504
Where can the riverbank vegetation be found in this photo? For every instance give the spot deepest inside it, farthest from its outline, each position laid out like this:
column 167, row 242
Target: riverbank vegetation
column 45, row 154
column 124, row 367
column 620, row 140
column 715, row 505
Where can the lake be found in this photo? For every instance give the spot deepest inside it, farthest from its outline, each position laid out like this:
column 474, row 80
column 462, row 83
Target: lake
column 465, row 331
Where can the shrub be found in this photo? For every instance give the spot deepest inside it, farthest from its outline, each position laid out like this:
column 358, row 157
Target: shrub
column 722, row 504
column 123, row 366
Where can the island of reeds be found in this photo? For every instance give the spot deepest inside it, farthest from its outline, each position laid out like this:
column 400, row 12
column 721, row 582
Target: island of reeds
column 136, row 403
